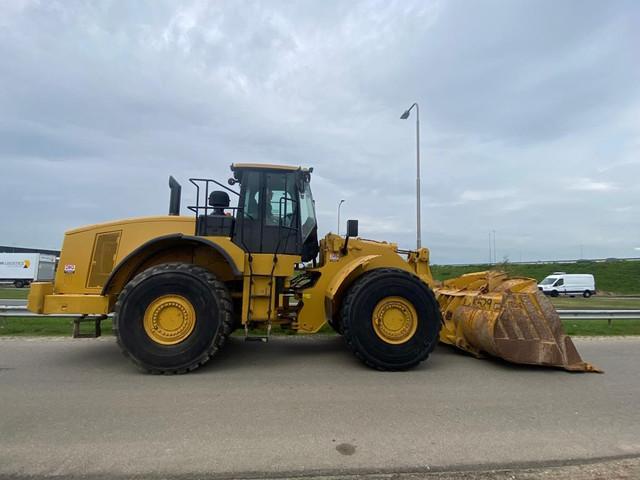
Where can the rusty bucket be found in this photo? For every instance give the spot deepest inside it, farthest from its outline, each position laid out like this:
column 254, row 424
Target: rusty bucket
column 490, row 313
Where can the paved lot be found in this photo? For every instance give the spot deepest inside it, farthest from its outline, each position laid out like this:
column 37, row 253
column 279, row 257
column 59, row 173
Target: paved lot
column 304, row 405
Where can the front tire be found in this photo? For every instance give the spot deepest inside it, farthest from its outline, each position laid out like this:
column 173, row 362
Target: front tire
column 390, row 319
column 172, row 318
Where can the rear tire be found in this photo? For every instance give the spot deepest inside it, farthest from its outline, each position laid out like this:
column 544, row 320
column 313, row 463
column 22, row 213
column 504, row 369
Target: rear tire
column 398, row 294
column 18, row 284
column 586, row 294
column 196, row 310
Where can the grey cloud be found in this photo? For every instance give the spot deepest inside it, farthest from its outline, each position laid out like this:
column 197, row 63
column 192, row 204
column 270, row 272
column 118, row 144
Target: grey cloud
column 528, row 115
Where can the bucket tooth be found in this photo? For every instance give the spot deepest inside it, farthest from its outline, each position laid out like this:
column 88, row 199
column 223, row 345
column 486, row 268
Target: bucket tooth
column 488, row 312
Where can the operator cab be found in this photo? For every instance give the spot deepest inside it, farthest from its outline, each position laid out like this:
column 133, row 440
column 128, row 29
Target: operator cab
column 275, row 211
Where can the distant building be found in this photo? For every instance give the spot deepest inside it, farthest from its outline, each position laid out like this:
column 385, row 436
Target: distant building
column 10, row 249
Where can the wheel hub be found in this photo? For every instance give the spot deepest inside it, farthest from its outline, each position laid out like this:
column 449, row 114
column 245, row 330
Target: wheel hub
column 394, row 320
column 169, row 319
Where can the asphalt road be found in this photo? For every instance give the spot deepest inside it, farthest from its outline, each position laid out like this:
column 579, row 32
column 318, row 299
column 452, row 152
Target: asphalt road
column 305, row 406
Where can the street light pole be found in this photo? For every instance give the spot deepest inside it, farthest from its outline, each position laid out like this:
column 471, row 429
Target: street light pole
column 418, row 202
column 339, row 205
column 404, row 116
column 495, row 255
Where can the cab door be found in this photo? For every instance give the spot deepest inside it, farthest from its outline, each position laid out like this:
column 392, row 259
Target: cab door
column 269, row 214
column 281, row 232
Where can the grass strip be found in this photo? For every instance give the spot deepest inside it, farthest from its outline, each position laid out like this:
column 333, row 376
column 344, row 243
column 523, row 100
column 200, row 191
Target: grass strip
column 601, row 327
column 45, row 326
column 14, row 293
column 595, row 303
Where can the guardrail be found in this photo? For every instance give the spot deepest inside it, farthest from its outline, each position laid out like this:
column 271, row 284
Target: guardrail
column 608, row 315
column 21, row 311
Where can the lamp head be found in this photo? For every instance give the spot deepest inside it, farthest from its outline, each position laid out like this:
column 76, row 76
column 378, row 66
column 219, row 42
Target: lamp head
column 405, row 115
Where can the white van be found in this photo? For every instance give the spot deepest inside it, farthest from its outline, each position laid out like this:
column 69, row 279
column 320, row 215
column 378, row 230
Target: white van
column 560, row 283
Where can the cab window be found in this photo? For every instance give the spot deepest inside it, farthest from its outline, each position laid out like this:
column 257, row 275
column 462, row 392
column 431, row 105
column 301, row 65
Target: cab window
column 308, row 211
column 251, row 201
column 280, row 205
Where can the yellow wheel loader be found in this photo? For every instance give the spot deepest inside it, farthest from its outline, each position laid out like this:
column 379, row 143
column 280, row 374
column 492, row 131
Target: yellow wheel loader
column 177, row 286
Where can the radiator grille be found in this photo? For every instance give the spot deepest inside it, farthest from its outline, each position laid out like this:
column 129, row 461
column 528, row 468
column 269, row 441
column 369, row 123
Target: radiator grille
column 103, row 259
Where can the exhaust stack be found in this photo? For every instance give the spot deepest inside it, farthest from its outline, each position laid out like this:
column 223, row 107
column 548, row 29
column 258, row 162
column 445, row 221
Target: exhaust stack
column 174, row 198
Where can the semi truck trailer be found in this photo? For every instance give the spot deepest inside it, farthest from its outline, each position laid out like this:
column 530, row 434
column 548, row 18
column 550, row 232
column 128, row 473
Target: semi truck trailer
column 21, row 269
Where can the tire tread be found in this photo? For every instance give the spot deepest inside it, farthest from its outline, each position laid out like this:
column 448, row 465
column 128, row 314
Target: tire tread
column 347, row 305
column 226, row 314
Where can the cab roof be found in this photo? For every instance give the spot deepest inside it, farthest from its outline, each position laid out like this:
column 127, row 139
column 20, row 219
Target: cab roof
column 268, row 166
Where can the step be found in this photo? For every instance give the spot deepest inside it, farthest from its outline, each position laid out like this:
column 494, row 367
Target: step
column 97, row 328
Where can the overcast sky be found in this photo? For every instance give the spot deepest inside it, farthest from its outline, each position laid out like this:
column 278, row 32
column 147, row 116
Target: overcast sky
column 530, row 115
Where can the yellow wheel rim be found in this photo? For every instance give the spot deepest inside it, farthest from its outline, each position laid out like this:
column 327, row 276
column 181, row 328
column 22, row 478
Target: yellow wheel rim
column 169, row 319
column 394, row 320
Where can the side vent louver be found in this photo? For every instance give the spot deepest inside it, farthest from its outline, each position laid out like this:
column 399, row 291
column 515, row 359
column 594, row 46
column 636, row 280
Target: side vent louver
column 103, row 258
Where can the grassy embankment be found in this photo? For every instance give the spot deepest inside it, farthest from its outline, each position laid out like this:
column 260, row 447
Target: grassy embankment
column 614, row 277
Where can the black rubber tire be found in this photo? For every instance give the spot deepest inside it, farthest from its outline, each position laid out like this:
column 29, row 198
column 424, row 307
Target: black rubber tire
column 214, row 318
column 356, row 313
column 336, row 324
column 586, row 294
column 18, row 284
column 554, row 293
